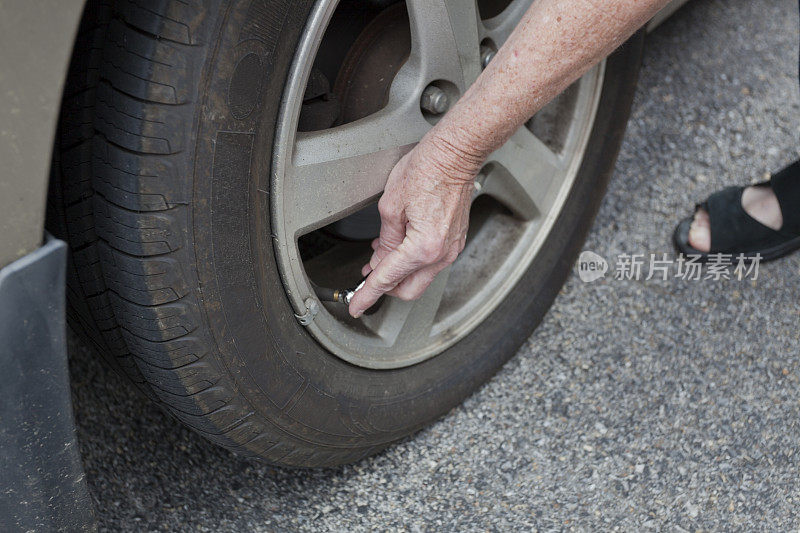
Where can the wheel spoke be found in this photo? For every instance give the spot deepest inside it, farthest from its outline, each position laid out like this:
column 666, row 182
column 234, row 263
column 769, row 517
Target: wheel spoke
column 500, row 27
column 519, row 174
column 319, row 177
column 413, row 320
column 445, row 40
column 337, row 171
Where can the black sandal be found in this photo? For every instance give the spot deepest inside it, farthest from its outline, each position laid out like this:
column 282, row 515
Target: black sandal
column 733, row 231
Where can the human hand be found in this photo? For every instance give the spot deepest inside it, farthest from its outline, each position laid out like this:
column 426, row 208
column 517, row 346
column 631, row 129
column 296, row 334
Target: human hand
column 424, row 217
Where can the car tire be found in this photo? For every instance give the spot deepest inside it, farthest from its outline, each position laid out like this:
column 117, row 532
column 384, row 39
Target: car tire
column 161, row 186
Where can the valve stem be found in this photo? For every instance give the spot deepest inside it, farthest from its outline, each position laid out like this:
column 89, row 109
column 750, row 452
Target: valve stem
column 341, row 296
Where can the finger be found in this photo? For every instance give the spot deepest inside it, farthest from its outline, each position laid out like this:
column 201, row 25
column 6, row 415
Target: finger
column 393, row 225
column 366, row 269
column 377, row 257
column 416, row 283
column 387, row 243
column 387, row 275
column 393, row 228
column 380, row 252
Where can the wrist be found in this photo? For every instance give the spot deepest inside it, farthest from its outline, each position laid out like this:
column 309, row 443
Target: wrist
column 459, row 158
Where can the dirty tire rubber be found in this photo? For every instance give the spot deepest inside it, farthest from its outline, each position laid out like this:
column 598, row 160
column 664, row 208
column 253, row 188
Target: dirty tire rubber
column 161, row 180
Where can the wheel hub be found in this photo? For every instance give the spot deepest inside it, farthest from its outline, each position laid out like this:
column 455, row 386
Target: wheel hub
column 372, row 63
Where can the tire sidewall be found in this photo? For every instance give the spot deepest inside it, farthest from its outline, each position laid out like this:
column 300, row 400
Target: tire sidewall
column 287, row 378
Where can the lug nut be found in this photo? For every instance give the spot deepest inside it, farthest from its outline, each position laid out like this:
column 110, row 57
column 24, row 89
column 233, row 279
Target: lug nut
column 434, row 100
column 487, row 54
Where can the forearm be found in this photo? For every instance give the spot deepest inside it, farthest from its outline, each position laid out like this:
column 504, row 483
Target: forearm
column 556, row 42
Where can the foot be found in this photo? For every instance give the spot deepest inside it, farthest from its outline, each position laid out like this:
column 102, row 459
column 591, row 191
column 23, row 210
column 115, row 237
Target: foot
column 758, row 202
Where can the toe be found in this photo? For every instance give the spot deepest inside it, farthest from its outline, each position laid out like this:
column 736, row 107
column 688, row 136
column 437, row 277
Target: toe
column 700, row 231
column 701, row 219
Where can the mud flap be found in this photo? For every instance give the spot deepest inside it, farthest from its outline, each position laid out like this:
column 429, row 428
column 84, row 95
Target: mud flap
column 42, row 483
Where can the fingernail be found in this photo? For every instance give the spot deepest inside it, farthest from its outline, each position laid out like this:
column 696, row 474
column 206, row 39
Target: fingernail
column 358, row 314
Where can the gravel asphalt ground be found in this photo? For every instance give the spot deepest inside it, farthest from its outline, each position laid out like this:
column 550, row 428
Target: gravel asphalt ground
column 651, row 404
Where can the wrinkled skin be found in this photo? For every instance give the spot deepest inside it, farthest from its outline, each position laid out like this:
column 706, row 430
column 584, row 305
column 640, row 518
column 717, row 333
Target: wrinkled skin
column 424, row 218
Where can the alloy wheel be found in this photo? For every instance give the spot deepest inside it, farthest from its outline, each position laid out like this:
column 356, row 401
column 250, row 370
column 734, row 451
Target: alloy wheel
column 324, row 177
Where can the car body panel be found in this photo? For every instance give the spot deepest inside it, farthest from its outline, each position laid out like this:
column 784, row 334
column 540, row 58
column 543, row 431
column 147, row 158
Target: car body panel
column 42, row 484
column 36, row 39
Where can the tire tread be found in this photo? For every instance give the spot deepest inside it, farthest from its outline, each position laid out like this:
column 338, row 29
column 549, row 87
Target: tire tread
column 124, row 127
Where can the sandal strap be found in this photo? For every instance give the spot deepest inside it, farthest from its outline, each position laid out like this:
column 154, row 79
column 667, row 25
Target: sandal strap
column 732, row 229
column 786, row 186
